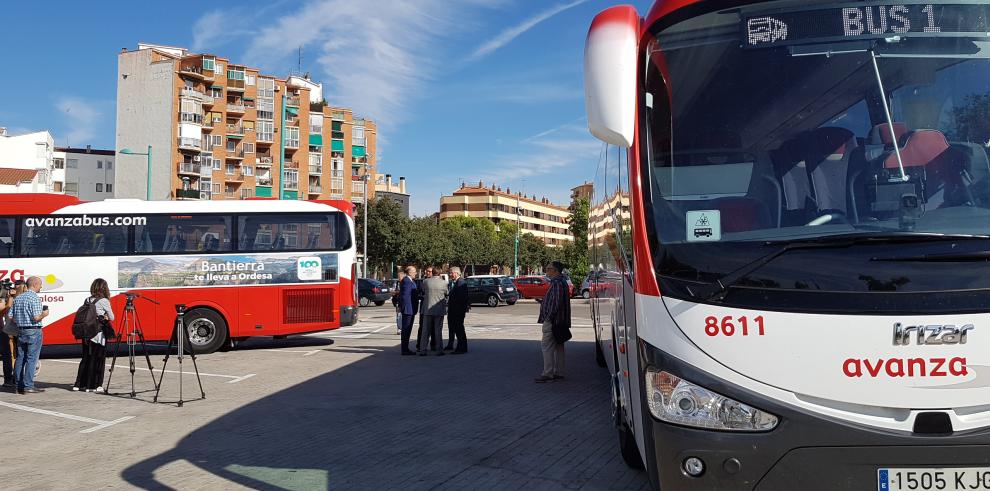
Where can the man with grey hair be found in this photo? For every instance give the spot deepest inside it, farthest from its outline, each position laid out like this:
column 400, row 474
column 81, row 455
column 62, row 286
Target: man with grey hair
column 458, row 306
column 432, row 310
column 27, row 312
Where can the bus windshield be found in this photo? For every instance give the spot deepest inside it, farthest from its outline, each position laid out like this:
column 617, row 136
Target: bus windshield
column 782, row 121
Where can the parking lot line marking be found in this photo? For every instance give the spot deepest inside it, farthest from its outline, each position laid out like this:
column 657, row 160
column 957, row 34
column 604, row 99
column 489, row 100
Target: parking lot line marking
column 100, row 424
column 236, row 378
column 305, row 352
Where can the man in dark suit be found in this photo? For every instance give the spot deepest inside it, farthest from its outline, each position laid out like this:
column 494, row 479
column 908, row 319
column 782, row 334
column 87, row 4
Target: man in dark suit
column 408, row 305
column 457, row 307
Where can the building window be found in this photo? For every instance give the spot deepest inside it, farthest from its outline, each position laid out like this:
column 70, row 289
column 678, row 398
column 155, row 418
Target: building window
column 248, row 147
column 58, row 187
column 209, row 64
column 216, row 188
column 59, row 163
column 99, row 187
column 72, row 163
column 235, row 75
column 216, row 92
column 248, row 170
column 218, row 69
column 109, row 187
column 109, row 164
column 99, row 164
column 72, row 188
column 249, row 79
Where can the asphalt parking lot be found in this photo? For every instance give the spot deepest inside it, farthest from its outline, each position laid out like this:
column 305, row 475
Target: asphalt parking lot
column 337, row 410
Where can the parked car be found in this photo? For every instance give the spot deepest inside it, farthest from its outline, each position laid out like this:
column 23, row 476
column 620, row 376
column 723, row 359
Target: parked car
column 492, row 290
column 372, row 291
column 536, row 287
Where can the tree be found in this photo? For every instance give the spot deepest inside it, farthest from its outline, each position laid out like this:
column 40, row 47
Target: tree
column 386, row 228
column 426, row 242
column 473, row 240
column 576, row 256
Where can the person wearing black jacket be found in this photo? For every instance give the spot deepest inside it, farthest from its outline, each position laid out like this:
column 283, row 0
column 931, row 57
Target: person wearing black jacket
column 555, row 316
column 457, row 308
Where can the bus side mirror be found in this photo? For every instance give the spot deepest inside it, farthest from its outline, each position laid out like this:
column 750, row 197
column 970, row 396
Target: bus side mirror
column 610, row 75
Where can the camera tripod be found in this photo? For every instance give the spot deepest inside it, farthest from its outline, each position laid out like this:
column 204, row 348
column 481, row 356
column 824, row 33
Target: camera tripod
column 180, row 343
column 131, row 326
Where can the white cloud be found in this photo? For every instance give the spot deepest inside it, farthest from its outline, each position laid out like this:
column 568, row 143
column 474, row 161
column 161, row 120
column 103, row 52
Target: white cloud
column 566, row 148
column 373, row 56
column 533, row 93
column 507, row 35
column 82, row 118
column 207, row 31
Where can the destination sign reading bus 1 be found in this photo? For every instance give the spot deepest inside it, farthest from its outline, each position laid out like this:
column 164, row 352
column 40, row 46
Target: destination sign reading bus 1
column 864, row 22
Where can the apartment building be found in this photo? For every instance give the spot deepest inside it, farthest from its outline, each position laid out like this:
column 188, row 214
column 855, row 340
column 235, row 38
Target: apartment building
column 88, row 172
column 27, row 163
column 541, row 218
column 219, row 130
column 602, row 215
column 395, row 191
column 584, row 191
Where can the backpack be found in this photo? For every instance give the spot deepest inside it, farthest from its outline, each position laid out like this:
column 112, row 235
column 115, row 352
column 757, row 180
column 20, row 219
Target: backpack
column 86, row 323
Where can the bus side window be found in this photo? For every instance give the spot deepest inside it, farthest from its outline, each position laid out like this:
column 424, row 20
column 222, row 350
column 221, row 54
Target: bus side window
column 181, row 234
column 6, row 237
column 295, row 231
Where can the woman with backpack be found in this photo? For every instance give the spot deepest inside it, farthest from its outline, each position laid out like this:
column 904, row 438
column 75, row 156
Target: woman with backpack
column 89, row 378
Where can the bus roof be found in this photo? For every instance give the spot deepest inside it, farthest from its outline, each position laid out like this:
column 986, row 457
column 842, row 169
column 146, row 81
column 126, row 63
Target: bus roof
column 42, row 204
column 663, row 8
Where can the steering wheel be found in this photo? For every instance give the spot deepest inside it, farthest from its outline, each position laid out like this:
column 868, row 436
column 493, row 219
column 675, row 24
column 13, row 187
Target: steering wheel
column 832, row 216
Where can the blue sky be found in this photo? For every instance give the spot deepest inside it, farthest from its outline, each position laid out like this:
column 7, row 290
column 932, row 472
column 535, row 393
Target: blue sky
column 461, row 89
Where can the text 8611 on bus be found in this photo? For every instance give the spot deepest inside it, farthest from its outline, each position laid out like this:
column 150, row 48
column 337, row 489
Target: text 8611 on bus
column 797, row 240
column 243, row 268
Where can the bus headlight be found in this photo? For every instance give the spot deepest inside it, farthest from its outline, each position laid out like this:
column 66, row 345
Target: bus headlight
column 678, row 401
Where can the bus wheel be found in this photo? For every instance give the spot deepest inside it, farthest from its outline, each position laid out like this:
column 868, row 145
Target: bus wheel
column 492, row 301
column 627, row 445
column 207, row 331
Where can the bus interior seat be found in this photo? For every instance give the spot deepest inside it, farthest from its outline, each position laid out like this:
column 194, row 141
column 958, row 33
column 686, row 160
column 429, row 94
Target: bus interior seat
column 765, row 188
column 879, row 140
column 145, row 244
column 279, row 243
column 99, row 244
column 171, row 243
column 314, row 241
column 211, row 243
column 828, row 155
column 64, row 246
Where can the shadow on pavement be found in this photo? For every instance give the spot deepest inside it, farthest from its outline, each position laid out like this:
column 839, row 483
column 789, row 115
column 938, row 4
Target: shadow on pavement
column 387, row 421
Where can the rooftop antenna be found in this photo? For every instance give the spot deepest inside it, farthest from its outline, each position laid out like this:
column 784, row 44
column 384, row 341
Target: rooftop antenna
column 299, row 62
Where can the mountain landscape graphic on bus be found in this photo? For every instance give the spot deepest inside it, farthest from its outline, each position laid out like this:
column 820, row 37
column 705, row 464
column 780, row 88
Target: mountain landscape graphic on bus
column 172, row 271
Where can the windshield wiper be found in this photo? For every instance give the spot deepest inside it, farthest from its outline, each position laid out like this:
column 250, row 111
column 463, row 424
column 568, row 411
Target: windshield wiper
column 718, row 290
column 949, row 257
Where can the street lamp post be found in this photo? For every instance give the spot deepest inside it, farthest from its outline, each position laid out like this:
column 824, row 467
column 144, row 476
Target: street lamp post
column 127, row 151
column 365, row 243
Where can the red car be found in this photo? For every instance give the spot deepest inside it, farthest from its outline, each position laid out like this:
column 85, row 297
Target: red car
column 536, row 286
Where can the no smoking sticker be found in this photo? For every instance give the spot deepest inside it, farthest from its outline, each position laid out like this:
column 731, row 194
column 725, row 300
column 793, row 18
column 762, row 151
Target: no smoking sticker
column 704, row 226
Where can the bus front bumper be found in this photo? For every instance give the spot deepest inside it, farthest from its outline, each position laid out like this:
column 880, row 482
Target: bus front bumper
column 806, row 451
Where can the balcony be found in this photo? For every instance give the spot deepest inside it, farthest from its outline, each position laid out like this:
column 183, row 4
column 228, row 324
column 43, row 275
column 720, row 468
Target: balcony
column 291, row 186
column 337, row 135
column 291, row 144
column 247, row 193
column 190, row 169
column 235, row 85
column 291, row 164
column 208, row 100
column 195, row 118
column 207, row 123
column 192, row 94
column 263, row 160
column 235, row 107
column 337, row 174
column 315, row 189
column 235, row 129
column 234, row 177
column 293, row 122
column 292, row 101
column 315, row 169
column 186, row 194
column 196, row 72
column 235, row 153
column 316, row 130
column 263, row 181
column 265, row 138
column 186, row 143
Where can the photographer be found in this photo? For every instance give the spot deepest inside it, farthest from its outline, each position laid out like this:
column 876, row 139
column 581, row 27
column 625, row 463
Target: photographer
column 28, row 313
column 8, row 291
column 89, row 377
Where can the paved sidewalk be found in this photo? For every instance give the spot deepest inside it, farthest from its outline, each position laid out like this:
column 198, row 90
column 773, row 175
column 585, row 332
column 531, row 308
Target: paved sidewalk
column 354, row 415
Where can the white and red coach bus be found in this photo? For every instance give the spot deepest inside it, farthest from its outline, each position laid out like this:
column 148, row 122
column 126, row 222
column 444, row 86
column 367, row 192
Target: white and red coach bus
column 243, row 268
column 801, row 278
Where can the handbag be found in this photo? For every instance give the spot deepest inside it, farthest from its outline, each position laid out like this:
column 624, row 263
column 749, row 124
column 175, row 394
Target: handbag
column 10, row 328
column 108, row 332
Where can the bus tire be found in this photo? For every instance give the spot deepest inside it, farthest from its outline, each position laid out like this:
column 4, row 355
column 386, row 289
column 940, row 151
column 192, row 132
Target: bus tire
column 492, row 300
column 206, row 331
column 364, row 301
column 628, row 448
